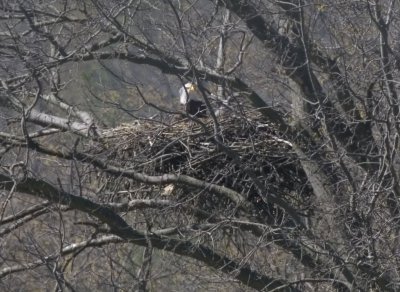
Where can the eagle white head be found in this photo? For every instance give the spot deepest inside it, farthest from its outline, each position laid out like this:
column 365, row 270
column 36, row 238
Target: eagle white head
column 183, row 92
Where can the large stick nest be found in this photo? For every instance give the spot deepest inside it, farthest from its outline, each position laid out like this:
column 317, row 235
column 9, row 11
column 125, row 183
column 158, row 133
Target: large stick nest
column 190, row 148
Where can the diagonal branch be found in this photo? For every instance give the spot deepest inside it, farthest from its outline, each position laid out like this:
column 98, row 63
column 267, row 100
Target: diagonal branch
column 120, row 227
column 297, row 63
column 98, row 242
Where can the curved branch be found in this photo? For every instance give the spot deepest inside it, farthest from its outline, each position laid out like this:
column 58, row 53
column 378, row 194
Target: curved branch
column 176, row 67
column 139, row 204
column 24, row 213
column 119, row 227
column 22, row 221
column 65, row 251
column 85, row 117
column 48, row 120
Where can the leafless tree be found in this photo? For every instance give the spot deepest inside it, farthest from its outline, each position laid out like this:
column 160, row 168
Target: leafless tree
column 291, row 182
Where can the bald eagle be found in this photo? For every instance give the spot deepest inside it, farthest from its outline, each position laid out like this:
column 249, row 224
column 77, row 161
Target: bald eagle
column 194, row 107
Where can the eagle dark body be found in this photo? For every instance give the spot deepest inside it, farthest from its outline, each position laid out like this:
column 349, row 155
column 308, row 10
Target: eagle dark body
column 196, row 108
